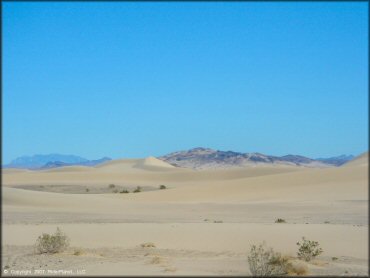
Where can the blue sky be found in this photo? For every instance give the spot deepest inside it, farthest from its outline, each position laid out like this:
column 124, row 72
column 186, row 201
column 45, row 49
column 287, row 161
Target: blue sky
column 132, row 79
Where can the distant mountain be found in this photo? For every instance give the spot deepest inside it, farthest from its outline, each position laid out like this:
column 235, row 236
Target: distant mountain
column 337, row 160
column 56, row 164
column 201, row 158
column 50, row 161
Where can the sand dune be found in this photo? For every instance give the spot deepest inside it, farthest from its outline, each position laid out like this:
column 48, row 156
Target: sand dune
column 75, row 168
column 212, row 214
column 134, row 171
column 152, row 161
column 362, row 159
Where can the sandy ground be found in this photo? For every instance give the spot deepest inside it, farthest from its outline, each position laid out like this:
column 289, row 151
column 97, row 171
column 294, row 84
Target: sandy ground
column 202, row 224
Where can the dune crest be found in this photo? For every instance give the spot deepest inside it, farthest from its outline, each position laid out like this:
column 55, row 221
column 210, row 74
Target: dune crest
column 152, row 162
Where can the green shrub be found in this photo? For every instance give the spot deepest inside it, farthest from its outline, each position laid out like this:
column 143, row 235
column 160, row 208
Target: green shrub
column 55, row 243
column 308, row 249
column 280, row 220
column 138, row 189
column 162, row 186
column 265, row 261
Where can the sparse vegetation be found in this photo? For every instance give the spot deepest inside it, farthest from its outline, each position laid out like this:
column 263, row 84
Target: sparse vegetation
column 156, row 260
column 162, row 186
column 308, row 249
column 218, row 221
column 55, row 243
column 138, row 189
column 78, row 253
column 87, row 190
column 148, row 245
column 334, row 258
column 280, row 220
column 124, row 191
column 115, row 190
column 112, row 185
column 265, row 261
column 327, row 222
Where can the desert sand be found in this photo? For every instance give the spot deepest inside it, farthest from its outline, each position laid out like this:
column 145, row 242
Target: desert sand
column 203, row 223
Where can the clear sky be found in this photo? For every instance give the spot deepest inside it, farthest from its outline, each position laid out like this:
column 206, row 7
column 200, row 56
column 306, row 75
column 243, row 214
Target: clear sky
column 132, row 79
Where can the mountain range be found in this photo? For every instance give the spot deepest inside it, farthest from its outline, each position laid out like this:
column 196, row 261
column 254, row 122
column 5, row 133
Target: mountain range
column 201, row 158
column 196, row 158
column 40, row 161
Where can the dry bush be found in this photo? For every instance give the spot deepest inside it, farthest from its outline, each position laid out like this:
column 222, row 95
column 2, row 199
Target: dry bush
column 55, row 243
column 138, row 189
column 78, row 252
column 170, row 269
column 308, row 249
column 280, row 220
column 148, row 245
column 162, row 186
column 265, row 261
column 156, row 260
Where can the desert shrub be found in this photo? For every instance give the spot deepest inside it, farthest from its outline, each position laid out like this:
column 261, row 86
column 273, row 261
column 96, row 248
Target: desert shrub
column 124, row 191
column 148, row 245
column 308, row 249
column 218, row 221
column 87, row 190
column 55, row 243
column 334, row 258
column 138, row 189
column 78, row 252
column 162, row 186
column 280, row 220
column 156, row 260
column 265, row 261
column 326, row 222
column 115, row 191
column 111, row 185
